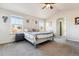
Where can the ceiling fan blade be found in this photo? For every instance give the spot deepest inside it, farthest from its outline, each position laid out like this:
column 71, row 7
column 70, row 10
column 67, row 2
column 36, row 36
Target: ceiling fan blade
column 44, row 7
column 48, row 5
column 51, row 7
column 53, row 3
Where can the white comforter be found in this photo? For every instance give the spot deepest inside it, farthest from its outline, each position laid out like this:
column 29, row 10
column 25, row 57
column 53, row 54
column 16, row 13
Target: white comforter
column 31, row 36
column 38, row 34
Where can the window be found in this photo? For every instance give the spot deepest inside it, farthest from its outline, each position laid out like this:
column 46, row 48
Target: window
column 48, row 25
column 41, row 25
column 16, row 24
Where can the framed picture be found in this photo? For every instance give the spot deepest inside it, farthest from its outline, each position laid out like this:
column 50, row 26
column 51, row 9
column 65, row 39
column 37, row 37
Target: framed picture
column 77, row 20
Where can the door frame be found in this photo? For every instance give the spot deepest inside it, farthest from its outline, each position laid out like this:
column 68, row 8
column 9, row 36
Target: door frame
column 60, row 31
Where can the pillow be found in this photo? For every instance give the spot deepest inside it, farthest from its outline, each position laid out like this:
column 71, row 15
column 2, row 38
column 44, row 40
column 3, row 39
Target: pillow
column 25, row 30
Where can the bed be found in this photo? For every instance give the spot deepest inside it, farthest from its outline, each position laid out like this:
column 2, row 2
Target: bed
column 38, row 37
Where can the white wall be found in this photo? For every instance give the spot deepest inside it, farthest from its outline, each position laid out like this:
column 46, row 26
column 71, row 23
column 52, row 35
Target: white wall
column 31, row 24
column 5, row 35
column 72, row 30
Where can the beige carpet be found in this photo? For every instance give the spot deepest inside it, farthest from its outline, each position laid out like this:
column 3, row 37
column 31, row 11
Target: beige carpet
column 47, row 49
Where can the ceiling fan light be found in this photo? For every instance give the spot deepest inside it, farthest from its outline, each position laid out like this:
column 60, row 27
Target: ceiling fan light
column 48, row 5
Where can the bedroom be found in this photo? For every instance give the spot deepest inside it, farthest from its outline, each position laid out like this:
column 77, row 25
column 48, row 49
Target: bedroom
column 30, row 17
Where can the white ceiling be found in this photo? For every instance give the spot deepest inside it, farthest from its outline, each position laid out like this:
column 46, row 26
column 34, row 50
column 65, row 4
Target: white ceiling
column 35, row 9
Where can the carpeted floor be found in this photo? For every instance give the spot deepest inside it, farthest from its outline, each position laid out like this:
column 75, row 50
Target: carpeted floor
column 24, row 48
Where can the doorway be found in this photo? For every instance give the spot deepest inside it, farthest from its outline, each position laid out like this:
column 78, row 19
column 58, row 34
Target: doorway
column 60, row 30
column 60, row 27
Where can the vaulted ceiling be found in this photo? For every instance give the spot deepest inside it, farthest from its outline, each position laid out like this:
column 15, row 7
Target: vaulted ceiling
column 34, row 9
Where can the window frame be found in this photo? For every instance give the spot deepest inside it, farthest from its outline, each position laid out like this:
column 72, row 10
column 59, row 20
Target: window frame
column 16, row 24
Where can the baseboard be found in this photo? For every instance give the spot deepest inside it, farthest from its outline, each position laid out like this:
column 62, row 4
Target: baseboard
column 73, row 41
column 6, row 42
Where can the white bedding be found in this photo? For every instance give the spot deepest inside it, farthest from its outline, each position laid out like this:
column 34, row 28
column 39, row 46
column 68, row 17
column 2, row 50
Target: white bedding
column 38, row 34
column 38, row 37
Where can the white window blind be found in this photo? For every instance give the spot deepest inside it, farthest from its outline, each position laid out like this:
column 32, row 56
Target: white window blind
column 16, row 24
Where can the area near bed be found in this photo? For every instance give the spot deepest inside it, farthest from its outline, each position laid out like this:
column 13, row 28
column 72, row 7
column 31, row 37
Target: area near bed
column 38, row 37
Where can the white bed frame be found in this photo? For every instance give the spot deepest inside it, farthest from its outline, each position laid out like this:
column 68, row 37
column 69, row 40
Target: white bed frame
column 39, row 38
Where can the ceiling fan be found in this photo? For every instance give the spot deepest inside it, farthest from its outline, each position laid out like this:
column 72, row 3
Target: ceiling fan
column 48, row 5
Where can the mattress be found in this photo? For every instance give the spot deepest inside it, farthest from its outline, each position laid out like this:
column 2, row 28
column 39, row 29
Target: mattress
column 38, row 34
column 38, row 37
